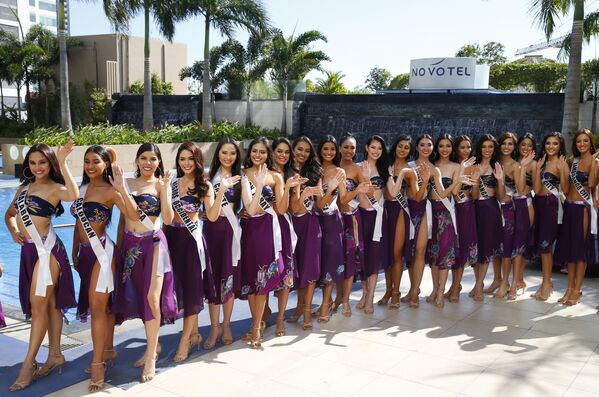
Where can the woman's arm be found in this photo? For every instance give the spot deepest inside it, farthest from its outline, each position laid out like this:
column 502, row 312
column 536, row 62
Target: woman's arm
column 166, row 200
column 252, row 203
column 122, row 198
column 10, row 219
column 564, row 171
column 327, row 198
column 70, row 191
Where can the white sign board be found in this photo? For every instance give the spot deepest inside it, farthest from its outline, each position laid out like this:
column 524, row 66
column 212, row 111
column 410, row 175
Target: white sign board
column 448, row 73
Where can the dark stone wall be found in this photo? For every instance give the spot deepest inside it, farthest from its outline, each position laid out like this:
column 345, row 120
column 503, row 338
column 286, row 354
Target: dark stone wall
column 167, row 109
column 391, row 115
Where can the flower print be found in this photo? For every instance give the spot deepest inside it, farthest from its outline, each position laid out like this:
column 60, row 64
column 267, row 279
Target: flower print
column 261, row 278
column 225, row 287
column 245, row 290
column 288, row 279
column 340, row 269
column 327, row 278
column 130, row 258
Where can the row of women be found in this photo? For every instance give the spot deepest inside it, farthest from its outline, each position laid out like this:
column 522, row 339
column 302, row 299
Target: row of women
column 295, row 217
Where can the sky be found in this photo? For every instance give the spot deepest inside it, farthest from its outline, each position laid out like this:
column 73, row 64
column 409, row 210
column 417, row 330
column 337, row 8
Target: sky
column 362, row 34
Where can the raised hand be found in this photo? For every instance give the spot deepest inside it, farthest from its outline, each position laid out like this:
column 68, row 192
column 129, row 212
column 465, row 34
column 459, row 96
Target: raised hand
column 62, row 152
column 467, row 180
column 498, row 172
column 475, row 175
column 261, row 175
column 562, row 164
column 295, row 180
column 311, row 191
column 117, row 179
column 17, row 237
column 468, row 162
column 365, row 188
column 365, row 168
column 425, row 171
column 526, row 160
column 337, row 179
column 541, row 162
column 230, row 182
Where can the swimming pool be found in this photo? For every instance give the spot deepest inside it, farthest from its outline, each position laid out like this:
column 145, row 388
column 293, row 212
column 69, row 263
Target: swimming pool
column 10, row 252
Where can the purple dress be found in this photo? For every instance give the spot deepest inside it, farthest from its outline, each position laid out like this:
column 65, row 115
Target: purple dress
column 352, row 227
column 417, row 212
column 86, row 257
column 573, row 245
column 522, row 229
column 393, row 210
column 308, row 249
column 135, row 273
column 332, row 266
column 509, row 221
column 225, row 277
column 467, row 233
column 546, row 217
column 289, row 272
column 442, row 248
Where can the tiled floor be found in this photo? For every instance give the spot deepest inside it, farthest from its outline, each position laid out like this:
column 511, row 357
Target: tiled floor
column 521, row 348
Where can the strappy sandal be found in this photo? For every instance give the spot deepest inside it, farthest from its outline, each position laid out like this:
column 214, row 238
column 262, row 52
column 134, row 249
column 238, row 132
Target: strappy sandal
column 385, row 299
column 294, row 318
column 141, row 362
column 574, row 299
column 211, row 342
column 149, row 373
column 194, row 340
column 346, row 309
column 54, row 361
column 566, row 296
column 97, row 385
column 109, row 356
column 280, row 327
column 256, row 341
column 492, row 288
column 226, row 340
column 19, row 383
column 395, row 300
column 307, row 325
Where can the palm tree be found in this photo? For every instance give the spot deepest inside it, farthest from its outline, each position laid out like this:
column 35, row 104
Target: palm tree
column 63, row 70
column 292, row 59
column 546, row 14
column 165, row 12
column 223, row 16
column 331, row 84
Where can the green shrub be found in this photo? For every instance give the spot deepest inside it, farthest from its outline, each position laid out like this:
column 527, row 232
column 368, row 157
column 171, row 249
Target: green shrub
column 12, row 128
column 123, row 134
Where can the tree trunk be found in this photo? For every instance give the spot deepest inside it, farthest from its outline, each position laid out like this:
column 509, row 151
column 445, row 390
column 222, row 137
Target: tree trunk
column 65, row 105
column 206, row 89
column 147, row 116
column 28, row 98
column 284, row 121
column 19, row 102
column 248, row 107
column 572, row 94
column 2, row 97
column 47, row 104
column 594, row 119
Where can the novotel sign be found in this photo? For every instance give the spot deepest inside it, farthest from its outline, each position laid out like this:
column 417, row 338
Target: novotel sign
column 448, row 73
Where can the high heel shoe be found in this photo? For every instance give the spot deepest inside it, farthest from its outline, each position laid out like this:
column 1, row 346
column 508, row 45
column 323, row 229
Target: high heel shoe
column 573, row 299
column 141, row 362
column 53, row 361
column 211, row 342
column 543, row 293
column 492, row 288
column 307, row 325
column 502, row 292
column 414, row 301
column 566, row 296
column 256, row 341
column 295, row 316
column 149, row 371
column 228, row 339
column 20, row 383
column 383, row 301
column 395, row 300
column 96, row 385
column 327, row 317
column 346, row 311
column 109, row 356
column 280, row 327
column 194, row 340
column 454, row 298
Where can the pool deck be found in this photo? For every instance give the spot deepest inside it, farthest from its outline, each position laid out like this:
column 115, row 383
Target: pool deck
column 518, row 348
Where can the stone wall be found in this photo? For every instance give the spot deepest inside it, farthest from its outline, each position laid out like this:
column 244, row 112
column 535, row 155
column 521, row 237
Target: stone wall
column 390, row 115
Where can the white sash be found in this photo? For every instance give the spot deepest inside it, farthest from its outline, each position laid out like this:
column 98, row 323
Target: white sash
column 560, row 198
column 403, row 202
column 429, row 208
column 194, row 228
column 585, row 195
column 292, row 232
column 163, row 265
column 104, row 253
column 485, row 195
column 44, row 249
column 276, row 228
column 231, row 218
column 329, row 208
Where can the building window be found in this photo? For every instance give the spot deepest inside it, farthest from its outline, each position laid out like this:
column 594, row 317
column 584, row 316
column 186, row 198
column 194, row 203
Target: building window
column 7, row 13
column 32, row 3
column 46, row 6
column 32, row 17
column 10, row 29
column 48, row 21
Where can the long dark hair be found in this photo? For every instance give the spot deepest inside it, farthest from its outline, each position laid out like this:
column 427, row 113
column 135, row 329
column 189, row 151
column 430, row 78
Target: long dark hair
column 562, row 143
column 55, row 172
column 312, row 169
column 435, row 155
column 456, row 146
column 248, row 163
column 527, row 135
column 105, row 156
column 235, row 168
column 479, row 149
column 331, row 139
column 289, row 169
column 421, row 137
column 344, row 138
column 200, row 187
column 393, row 150
column 509, row 135
column 583, row 131
column 150, row 147
column 381, row 162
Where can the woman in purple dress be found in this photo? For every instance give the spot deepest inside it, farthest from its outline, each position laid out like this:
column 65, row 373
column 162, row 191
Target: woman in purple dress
column 307, row 228
column 514, row 186
column 46, row 288
column 353, row 243
column 443, row 246
column 372, row 210
column 261, row 245
column 487, row 189
column 223, row 242
column 550, row 180
column 144, row 285
column 524, row 213
column 402, row 179
column 467, row 254
column 574, row 243
column 283, row 163
column 191, row 263
column 94, row 255
column 332, row 267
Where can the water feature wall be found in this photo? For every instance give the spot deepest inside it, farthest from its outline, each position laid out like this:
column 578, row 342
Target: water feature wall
column 167, row 109
column 393, row 114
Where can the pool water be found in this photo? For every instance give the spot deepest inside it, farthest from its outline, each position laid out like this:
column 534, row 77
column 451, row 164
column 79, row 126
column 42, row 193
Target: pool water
column 10, row 251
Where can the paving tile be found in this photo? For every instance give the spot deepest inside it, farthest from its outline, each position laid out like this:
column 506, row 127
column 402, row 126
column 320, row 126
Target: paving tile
column 384, row 385
column 493, row 384
column 485, row 331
